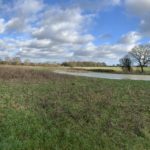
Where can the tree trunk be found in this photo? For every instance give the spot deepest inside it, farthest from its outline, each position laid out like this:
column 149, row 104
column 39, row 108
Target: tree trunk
column 142, row 70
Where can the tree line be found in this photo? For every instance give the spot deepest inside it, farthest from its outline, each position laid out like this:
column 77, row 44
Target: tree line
column 83, row 64
column 139, row 56
column 17, row 61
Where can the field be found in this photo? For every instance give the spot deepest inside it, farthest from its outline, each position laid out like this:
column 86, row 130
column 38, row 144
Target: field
column 41, row 110
column 136, row 70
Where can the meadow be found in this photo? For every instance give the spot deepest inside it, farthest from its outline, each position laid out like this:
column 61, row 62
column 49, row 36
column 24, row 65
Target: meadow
column 135, row 70
column 41, row 110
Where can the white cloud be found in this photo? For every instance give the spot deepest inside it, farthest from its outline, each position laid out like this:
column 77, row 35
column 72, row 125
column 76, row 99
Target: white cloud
column 21, row 14
column 138, row 7
column 112, row 52
column 130, row 38
column 62, row 26
column 95, row 5
column 26, row 8
column 145, row 26
column 116, row 2
column 57, row 33
column 7, row 47
column 35, row 43
column 44, row 33
column 2, row 26
column 15, row 24
column 141, row 9
column 105, row 36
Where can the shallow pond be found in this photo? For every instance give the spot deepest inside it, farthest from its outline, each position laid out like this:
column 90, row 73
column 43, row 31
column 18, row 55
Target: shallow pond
column 106, row 75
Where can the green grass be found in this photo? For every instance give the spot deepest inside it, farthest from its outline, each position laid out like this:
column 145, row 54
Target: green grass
column 40, row 110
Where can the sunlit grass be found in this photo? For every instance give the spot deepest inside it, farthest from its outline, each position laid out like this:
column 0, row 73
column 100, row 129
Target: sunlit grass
column 113, row 69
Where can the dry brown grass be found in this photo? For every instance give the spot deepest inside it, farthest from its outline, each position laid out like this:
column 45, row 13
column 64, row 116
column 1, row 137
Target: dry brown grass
column 28, row 74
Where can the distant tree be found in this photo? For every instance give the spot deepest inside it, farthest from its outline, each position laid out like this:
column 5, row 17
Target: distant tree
column 26, row 62
column 7, row 60
column 141, row 55
column 102, row 64
column 83, row 64
column 16, row 60
column 117, row 65
column 126, row 63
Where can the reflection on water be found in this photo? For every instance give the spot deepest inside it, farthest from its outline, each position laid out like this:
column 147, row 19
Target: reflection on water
column 107, row 75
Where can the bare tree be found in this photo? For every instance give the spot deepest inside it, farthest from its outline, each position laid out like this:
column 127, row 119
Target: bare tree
column 126, row 63
column 141, row 55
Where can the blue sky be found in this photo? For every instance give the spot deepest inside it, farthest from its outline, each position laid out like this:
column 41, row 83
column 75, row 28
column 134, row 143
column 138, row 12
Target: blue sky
column 72, row 30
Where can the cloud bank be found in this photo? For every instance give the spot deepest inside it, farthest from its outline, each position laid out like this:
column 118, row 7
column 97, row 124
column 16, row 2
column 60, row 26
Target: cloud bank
column 41, row 31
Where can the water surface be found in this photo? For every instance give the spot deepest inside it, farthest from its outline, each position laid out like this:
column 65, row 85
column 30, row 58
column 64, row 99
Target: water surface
column 106, row 75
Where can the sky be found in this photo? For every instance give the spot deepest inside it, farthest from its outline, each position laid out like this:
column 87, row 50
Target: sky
column 72, row 30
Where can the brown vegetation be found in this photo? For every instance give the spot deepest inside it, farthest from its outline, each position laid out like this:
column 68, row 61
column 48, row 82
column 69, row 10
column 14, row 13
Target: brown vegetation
column 26, row 74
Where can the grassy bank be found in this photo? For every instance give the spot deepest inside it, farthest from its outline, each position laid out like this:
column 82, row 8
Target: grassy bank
column 135, row 70
column 40, row 110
